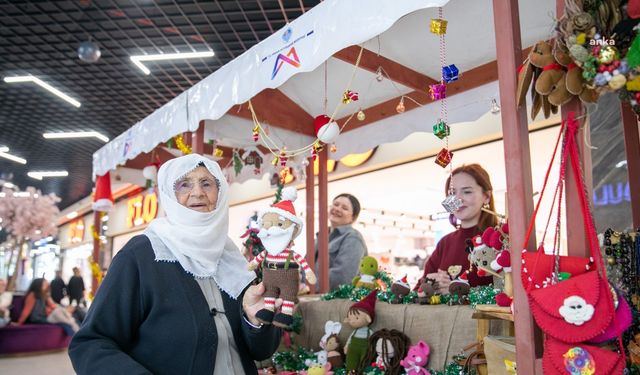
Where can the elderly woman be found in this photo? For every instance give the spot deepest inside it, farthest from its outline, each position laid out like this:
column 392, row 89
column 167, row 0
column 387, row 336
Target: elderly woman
column 178, row 300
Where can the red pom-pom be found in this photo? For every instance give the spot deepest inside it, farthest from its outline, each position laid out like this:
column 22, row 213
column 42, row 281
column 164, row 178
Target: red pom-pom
column 503, row 300
column 496, row 241
column 504, row 259
column 481, row 272
column 486, row 235
column 505, row 228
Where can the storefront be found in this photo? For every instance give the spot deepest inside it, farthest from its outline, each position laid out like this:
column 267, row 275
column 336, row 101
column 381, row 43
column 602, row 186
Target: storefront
column 76, row 244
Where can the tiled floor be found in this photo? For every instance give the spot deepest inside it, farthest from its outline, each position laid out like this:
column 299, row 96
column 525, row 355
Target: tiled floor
column 57, row 363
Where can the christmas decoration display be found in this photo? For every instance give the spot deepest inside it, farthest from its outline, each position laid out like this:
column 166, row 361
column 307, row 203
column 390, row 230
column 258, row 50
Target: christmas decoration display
column 400, row 289
column 150, row 173
column 450, row 73
column 385, row 349
column 359, row 317
column 349, row 96
column 444, row 157
column 330, row 344
column 253, row 158
column 439, row 26
column 451, row 203
column 183, row 147
column 361, row 116
column 368, row 269
column 460, row 288
column 325, row 129
column 280, row 264
column 428, row 288
column 416, row 360
column 480, row 255
column 441, row 129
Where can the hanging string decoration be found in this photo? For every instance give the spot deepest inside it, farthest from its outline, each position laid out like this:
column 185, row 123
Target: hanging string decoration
column 183, row 147
column 237, row 162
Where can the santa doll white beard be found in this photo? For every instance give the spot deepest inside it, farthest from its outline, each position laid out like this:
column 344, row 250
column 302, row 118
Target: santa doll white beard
column 276, row 239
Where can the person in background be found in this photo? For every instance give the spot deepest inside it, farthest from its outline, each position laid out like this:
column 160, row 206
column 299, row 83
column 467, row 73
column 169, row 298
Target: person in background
column 470, row 183
column 178, row 299
column 58, row 288
column 346, row 244
column 75, row 288
column 6, row 299
column 39, row 308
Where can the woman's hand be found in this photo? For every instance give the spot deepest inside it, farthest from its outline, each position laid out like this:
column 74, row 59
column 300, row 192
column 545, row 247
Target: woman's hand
column 252, row 302
column 443, row 279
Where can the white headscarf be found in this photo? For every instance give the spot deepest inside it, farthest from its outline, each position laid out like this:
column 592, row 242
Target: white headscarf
column 197, row 240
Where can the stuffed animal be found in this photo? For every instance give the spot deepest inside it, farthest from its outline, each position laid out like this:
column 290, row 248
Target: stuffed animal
column 359, row 317
column 330, row 344
column 368, row 270
column 416, row 359
column 400, row 289
column 480, row 255
column 279, row 225
column 503, row 263
column 460, row 287
column 427, row 289
column 317, row 369
column 385, row 350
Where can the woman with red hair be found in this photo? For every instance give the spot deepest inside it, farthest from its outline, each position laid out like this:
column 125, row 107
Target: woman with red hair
column 472, row 185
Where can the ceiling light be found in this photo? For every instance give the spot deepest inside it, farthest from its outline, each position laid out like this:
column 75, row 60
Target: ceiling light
column 76, row 135
column 6, row 155
column 137, row 60
column 4, row 149
column 44, row 85
column 40, row 174
column 621, row 164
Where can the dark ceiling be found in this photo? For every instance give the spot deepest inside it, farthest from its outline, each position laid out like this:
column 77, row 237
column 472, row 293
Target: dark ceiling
column 41, row 38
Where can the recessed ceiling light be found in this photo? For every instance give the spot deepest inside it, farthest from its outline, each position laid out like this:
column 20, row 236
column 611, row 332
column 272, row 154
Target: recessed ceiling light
column 38, row 175
column 137, row 60
column 88, row 134
column 44, row 85
column 7, row 155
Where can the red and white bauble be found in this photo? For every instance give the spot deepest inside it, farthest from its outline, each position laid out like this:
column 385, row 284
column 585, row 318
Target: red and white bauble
column 326, row 130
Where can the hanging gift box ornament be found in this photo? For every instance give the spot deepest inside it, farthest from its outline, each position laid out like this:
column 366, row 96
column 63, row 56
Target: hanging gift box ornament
column 450, row 73
column 441, row 129
column 256, row 133
column 361, row 116
column 438, row 26
column 452, row 203
column 317, row 147
column 326, row 130
column 218, row 153
column 283, row 158
column 444, row 157
column 349, row 96
column 438, row 91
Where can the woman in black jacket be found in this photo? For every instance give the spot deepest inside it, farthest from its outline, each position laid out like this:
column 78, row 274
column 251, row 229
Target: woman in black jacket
column 178, row 299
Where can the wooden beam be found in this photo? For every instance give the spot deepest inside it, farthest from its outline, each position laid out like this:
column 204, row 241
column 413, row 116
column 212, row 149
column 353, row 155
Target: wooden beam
column 310, row 218
column 631, row 130
column 518, row 173
column 276, row 109
column 475, row 77
column 197, row 139
column 397, row 72
column 323, row 219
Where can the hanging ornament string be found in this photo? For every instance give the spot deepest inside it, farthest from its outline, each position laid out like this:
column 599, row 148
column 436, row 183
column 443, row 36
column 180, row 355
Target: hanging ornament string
column 273, row 147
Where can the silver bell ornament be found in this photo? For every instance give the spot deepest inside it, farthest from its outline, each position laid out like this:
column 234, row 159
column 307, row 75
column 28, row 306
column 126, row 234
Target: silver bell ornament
column 89, row 52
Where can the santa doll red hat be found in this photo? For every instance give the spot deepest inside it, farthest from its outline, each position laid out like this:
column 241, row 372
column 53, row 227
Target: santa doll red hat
column 285, row 208
column 367, row 304
column 102, row 198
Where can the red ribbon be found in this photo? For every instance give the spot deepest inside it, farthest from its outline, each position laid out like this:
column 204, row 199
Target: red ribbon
column 554, row 66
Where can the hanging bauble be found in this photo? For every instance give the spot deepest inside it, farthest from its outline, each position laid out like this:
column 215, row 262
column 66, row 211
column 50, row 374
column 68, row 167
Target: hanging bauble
column 379, row 74
column 361, row 116
column 438, row 26
column 333, row 148
column 400, row 107
column 444, row 157
column 450, row 73
column 441, row 129
column 89, row 52
column 438, row 91
column 326, row 130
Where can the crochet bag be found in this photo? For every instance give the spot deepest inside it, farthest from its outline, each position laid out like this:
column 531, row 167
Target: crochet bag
column 563, row 358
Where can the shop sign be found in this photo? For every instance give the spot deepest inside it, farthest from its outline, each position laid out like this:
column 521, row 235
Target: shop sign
column 76, row 231
column 141, row 209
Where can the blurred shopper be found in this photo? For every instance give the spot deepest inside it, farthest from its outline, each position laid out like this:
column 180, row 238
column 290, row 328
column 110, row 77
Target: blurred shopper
column 39, row 308
column 6, row 299
column 75, row 288
column 58, row 288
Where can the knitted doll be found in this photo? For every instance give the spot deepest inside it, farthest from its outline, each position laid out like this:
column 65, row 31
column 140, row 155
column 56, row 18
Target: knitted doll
column 359, row 317
column 400, row 289
column 417, row 357
column 386, row 348
column 279, row 225
column 330, row 344
column 368, row 270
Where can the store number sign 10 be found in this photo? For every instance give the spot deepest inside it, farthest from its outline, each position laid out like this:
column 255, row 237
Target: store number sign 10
column 141, row 209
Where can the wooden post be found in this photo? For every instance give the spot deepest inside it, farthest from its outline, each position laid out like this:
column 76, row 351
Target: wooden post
column 97, row 223
column 197, row 140
column 518, row 172
column 323, row 218
column 310, row 215
column 632, row 150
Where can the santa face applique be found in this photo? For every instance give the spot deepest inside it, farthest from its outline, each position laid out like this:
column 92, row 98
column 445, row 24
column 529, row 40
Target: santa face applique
column 576, row 310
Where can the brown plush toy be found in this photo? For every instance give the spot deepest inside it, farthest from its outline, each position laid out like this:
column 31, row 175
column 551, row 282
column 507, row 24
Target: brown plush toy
column 400, row 289
column 280, row 264
column 427, row 289
column 541, row 57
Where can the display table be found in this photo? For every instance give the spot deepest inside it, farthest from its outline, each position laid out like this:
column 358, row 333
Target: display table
column 447, row 329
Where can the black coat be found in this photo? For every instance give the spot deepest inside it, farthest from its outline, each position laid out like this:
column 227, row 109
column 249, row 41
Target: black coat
column 75, row 288
column 152, row 317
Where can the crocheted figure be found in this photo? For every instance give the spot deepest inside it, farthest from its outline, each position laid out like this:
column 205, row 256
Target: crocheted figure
column 360, row 316
column 368, row 270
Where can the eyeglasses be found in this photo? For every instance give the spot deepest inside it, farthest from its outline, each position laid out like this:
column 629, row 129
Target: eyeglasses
column 187, row 186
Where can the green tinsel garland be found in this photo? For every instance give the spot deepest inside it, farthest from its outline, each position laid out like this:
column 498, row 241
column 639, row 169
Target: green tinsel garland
column 278, row 196
column 483, row 295
column 372, row 371
column 293, row 360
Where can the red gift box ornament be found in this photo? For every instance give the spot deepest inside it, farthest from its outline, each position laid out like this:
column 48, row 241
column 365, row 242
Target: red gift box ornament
column 256, row 133
column 444, row 157
column 349, row 96
column 438, row 91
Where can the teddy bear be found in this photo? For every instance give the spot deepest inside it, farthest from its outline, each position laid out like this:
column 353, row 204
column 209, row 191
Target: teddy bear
column 368, row 269
column 416, row 359
column 400, row 289
column 279, row 226
column 427, row 289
